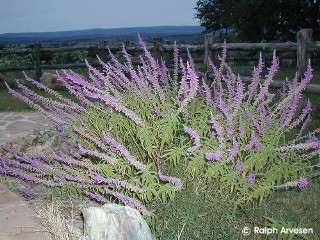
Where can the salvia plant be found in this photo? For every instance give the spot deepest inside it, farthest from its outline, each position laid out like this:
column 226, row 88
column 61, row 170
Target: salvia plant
column 134, row 125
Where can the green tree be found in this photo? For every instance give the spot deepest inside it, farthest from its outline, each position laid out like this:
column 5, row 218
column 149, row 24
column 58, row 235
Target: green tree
column 256, row 20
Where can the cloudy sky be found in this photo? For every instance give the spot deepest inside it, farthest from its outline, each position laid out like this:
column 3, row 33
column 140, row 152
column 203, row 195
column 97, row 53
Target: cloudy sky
column 60, row 15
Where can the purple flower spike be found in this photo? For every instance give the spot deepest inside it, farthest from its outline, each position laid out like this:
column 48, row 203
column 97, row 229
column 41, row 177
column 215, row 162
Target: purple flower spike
column 97, row 197
column 234, row 150
column 157, row 111
column 239, row 167
column 241, row 128
column 303, row 182
column 216, row 126
column 175, row 181
column 26, row 192
column 121, row 150
column 214, row 156
column 255, row 142
column 193, row 133
column 251, row 177
column 195, row 136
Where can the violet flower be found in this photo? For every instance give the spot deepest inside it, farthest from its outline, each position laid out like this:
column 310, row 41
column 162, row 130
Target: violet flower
column 154, row 81
column 147, row 53
column 127, row 56
column 271, row 72
column 184, row 88
column 176, row 63
column 117, row 183
column 116, row 105
column 253, row 121
column 164, row 73
column 157, row 111
column 216, row 126
column 61, row 125
column 195, row 136
column 26, row 192
column 206, row 91
column 255, row 78
column 120, row 149
column 239, row 167
column 241, row 128
column 132, row 202
column 224, row 108
column 308, row 75
column 141, row 84
column 175, row 181
column 305, row 124
column 254, row 142
column 79, row 179
column 194, row 83
column 214, row 156
column 251, row 177
column 71, row 161
column 307, row 109
column 303, row 182
column 97, row 154
column 192, row 133
column 50, row 91
column 234, row 150
column 238, row 96
column 312, row 138
column 97, row 197
column 229, row 129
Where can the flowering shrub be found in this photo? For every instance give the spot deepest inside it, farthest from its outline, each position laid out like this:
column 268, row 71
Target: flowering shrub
column 134, row 125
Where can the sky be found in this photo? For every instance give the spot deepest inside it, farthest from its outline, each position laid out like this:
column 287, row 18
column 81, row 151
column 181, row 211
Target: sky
column 63, row 15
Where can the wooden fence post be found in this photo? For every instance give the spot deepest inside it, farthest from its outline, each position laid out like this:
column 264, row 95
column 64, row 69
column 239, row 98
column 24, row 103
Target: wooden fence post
column 158, row 49
column 304, row 37
column 38, row 62
column 127, row 43
column 102, row 51
column 208, row 41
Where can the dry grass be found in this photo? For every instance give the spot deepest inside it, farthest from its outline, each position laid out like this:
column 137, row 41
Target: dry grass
column 55, row 222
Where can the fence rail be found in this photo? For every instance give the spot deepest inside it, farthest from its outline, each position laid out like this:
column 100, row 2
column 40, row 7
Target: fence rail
column 303, row 48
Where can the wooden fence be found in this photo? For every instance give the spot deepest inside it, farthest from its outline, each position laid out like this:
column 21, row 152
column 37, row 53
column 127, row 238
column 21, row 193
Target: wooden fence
column 303, row 48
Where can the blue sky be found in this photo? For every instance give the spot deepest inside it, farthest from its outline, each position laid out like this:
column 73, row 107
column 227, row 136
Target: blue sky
column 61, row 15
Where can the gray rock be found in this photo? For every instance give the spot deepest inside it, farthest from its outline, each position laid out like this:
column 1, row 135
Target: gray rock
column 50, row 80
column 114, row 222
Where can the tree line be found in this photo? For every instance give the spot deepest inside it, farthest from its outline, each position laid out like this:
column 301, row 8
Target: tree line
column 260, row 20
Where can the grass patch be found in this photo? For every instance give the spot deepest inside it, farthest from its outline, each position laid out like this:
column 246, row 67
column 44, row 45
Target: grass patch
column 10, row 103
column 199, row 216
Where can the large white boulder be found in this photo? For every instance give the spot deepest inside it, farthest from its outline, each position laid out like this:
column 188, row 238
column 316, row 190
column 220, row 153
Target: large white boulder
column 114, row 222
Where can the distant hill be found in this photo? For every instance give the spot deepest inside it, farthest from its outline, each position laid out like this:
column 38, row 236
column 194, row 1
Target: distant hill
column 100, row 33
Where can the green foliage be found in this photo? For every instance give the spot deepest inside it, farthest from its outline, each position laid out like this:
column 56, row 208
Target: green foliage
column 259, row 20
column 77, row 56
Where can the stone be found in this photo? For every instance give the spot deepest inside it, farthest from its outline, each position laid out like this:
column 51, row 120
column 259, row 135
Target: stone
column 50, row 80
column 56, row 144
column 23, row 144
column 20, row 126
column 114, row 222
column 31, row 144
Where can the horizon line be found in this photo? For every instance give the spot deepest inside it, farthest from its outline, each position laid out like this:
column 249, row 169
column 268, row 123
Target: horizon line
column 99, row 28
